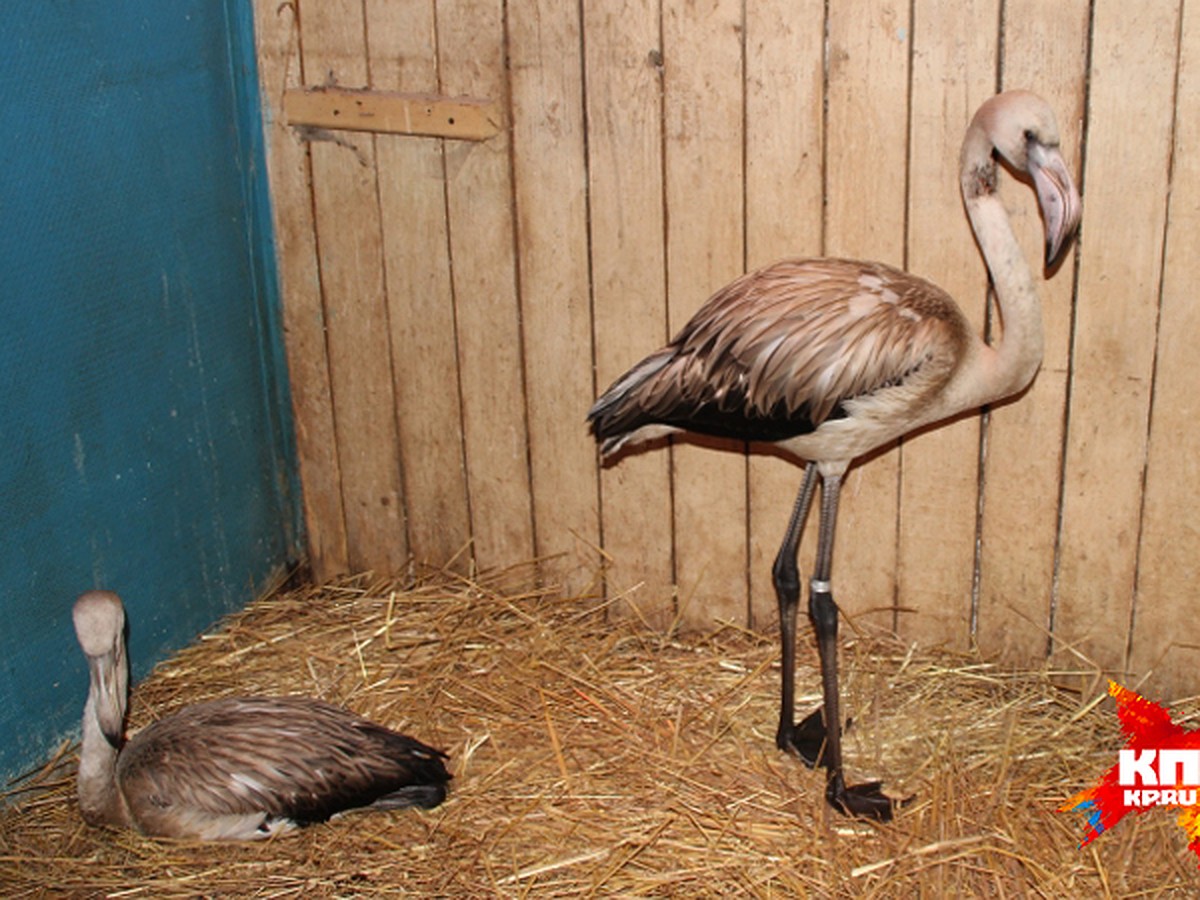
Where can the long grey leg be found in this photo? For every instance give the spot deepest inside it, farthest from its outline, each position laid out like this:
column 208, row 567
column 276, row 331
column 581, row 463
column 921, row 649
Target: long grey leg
column 862, row 799
column 786, row 577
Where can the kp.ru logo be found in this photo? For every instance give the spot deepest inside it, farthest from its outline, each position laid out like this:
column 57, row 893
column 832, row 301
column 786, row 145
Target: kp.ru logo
column 1136, row 768
column 1160, row 766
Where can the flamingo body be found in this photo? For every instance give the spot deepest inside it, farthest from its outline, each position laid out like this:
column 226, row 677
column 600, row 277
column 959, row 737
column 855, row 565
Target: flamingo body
column 241, row 768
column 830, row 359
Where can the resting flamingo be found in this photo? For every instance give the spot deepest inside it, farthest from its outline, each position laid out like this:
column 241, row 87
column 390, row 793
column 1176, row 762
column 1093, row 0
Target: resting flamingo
column 239, row 768
column 830, row 359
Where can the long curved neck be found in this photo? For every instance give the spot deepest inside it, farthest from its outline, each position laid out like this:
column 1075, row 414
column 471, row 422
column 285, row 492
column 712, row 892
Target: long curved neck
column 100, row 801
column 1009, row 365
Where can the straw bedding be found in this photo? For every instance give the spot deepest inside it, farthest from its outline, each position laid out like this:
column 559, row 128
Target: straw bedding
column 598, row 757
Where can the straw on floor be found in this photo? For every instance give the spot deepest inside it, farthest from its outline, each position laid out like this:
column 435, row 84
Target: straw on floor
column 595, row 756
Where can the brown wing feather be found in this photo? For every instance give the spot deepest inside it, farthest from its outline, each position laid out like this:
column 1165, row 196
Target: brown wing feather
column 292, row 758
column 782, row 348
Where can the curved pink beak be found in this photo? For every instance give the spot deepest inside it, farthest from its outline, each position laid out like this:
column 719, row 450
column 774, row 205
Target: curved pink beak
column 1057, row 196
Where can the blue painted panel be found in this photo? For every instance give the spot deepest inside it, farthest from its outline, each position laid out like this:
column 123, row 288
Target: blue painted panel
column 144, row 437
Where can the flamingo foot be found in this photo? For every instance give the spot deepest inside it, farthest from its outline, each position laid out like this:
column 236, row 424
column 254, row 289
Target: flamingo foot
column 807, row 740
column 865, row 801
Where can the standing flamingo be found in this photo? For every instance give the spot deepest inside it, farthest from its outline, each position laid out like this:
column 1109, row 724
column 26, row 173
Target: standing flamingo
column 833, row 358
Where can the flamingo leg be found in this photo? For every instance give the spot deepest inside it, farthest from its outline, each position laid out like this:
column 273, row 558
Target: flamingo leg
column 818, row 738
column 865, row 799
column 786, row 577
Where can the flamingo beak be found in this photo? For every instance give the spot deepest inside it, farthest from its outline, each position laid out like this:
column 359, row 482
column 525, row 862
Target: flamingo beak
column 1057, row 196
column 109, row 684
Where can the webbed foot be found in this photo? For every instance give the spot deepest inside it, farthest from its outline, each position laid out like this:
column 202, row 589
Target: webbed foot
column 866, row 801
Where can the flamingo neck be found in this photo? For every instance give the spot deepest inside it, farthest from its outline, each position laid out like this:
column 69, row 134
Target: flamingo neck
column 1008, row 365
column 100, row 802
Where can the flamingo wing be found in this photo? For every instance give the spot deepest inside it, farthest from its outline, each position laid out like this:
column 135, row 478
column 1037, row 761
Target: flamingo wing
column 779, row 351
column 224, row 767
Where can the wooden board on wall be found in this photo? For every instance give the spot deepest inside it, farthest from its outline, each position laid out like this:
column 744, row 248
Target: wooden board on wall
column 479, row 190
column 629, row 305
column 1166, row 636
column 420, row 300
column 349, row 246
column 1045, row 49
column 702, row 51
column 1131, row 107
column 546, row 77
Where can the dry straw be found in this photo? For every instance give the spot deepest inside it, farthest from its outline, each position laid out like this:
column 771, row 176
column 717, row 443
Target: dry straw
column 597, row 757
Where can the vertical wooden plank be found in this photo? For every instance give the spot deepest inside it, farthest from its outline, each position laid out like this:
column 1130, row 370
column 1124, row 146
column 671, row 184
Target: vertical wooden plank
column 420, row 303
column 351, row 259
column 865, row 164
column 278, row 37
column 954, row 70
column 1130, row 113
column 1166, row 634
column 703, row 145
column 1045, row 50
column 479, row 191
column 624, row 124
column 784, row 135
column 546, row 65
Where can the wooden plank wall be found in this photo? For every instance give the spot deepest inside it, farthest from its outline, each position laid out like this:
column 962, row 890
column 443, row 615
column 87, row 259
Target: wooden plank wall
column 453, row 307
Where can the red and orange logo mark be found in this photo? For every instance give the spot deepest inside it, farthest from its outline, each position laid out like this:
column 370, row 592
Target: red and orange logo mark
column 1160, row 766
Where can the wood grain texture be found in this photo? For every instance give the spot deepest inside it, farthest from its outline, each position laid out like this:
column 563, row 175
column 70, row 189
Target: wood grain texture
column 1166, row 632
column 350, row 253
column 1131, row 113
column 546, row 65
column 629, row 304
column 391, row 112
column 420, row 300
column 484, row 272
